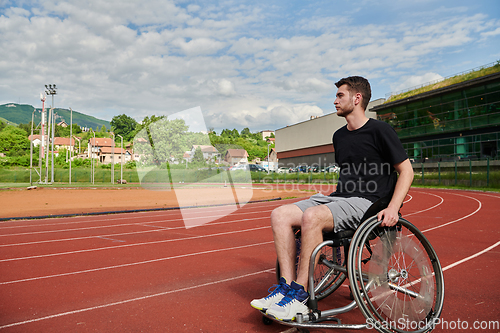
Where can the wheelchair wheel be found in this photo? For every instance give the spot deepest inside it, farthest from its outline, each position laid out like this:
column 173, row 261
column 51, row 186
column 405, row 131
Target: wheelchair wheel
column 395, row 277
column 326, row 279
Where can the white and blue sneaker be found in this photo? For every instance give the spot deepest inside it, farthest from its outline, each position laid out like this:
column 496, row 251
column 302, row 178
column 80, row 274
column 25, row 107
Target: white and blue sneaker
column 295, row 301
column 276, row 294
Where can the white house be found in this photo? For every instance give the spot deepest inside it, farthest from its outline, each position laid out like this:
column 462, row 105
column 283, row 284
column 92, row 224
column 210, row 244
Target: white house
column 209, row 152
column 236, row 156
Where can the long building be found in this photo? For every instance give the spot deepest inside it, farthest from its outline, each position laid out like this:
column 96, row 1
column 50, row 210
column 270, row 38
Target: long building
column 456, row 122
column 460, row 121
column 310, row 142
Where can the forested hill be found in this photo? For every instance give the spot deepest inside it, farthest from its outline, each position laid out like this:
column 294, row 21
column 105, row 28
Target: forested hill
column 21, row 114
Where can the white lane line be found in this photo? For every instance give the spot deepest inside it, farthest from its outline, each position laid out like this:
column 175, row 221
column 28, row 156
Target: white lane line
column 471, row 257
column 131, row 245
column 488, row 195
column 118, row 216
column 111, row 239
column 134, row 299
column 459, row 219
column 144, row 224
column 159, row 229
column 133, row 263
column 424, row 210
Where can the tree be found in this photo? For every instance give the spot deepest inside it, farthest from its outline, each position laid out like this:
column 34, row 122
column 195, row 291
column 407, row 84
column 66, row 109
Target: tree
column 198, row 157
column 25, row 127
column 124, row 126
column 245, row 132
column 14, row 141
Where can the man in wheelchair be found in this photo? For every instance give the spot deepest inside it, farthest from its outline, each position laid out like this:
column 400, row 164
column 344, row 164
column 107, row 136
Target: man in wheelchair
column 368, row 151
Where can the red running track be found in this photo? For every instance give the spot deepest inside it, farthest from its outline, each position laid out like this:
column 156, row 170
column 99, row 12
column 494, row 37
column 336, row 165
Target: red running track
column 145, row 272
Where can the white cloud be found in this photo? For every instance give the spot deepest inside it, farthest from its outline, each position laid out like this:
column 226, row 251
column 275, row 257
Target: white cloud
column 198, row 46
column 418, row 80
column 246, row 64
column 222, row 87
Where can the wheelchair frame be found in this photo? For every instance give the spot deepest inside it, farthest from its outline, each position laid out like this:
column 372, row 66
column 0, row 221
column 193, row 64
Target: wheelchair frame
column 368, row 288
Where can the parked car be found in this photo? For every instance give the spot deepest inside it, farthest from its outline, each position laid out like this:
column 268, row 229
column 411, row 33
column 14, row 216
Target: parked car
column 331, row 168
column 283, row 170
column 303, row 168
column 314, row 168
column 250, row 167
column 238, row 167
column 255, row 167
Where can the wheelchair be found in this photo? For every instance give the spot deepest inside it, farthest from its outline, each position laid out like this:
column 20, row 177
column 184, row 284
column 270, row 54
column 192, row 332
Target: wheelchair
column 394, row 274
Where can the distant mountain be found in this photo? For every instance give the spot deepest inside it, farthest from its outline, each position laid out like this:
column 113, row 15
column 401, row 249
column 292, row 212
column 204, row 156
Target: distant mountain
column 21, row 113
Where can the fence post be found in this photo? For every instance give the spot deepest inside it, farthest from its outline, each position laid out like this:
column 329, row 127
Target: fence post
column 439, row 173
column 470, row 173
column 423, row 174
column 456, row 181
column 488, row 172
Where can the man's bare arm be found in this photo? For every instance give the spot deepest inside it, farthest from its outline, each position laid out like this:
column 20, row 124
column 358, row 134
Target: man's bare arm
column 405, row 179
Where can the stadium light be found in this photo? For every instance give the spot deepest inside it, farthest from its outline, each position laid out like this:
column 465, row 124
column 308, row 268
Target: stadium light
column 51, row 90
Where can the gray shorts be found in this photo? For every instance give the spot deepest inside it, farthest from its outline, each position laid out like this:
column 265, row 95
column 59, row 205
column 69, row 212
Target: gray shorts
column 346, row 212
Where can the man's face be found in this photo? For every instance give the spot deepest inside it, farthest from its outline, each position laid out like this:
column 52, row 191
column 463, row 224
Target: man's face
column 344, row 103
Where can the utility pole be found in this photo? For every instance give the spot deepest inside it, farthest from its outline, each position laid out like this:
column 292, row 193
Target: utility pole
column 92, row 157
column 43, row 97
column 31, row 146
column 121, row 159
column 113, row 159
column 268, row 158
column 70, row 140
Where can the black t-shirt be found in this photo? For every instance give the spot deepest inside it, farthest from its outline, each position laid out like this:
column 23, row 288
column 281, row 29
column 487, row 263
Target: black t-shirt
column 366, row 157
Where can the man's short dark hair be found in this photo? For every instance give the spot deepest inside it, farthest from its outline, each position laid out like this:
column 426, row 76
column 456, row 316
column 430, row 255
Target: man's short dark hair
column 357, row 84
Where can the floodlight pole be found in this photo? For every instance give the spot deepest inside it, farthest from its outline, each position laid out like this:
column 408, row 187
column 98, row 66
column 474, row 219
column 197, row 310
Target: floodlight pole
column 53, row 139
column 49, row 124
column 51, row 90
column 121, row 159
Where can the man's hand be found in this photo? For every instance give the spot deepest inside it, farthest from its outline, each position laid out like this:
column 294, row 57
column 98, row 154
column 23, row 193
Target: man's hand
column 389, row 215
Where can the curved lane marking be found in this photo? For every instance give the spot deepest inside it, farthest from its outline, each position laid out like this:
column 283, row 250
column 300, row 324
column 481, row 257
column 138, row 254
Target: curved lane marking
column 424, row 210
column 460, row 219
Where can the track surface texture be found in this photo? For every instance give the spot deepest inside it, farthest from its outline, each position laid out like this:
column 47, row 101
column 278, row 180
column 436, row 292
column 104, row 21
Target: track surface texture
column 147, row 272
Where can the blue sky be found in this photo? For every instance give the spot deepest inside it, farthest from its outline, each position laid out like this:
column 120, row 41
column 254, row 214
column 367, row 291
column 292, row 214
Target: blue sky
column 256, row 64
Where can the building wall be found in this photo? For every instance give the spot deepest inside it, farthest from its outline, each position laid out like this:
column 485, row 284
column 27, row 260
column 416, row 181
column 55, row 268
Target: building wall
column 310, row 142
column 461, row 121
